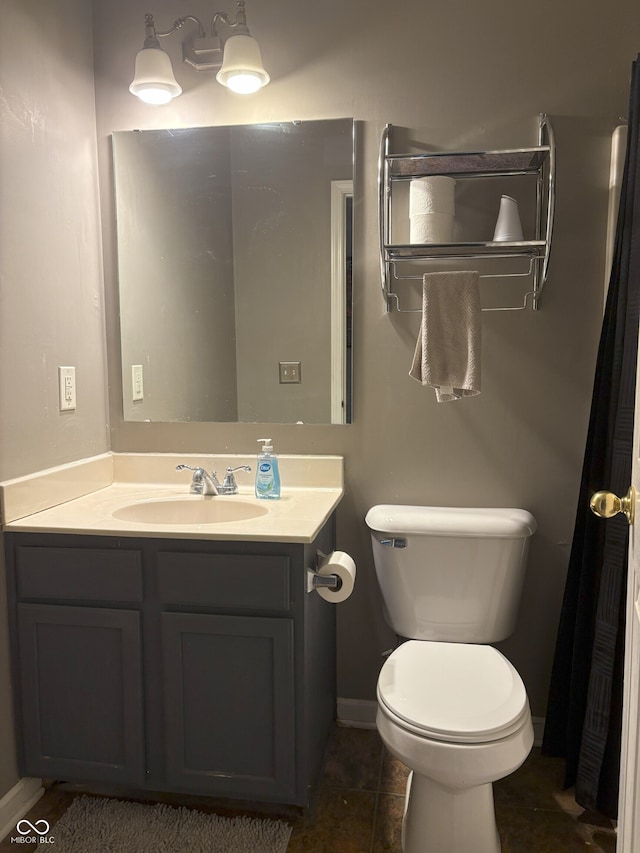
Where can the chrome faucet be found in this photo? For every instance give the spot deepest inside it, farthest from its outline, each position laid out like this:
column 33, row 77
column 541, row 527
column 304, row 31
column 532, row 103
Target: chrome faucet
column 203, row 483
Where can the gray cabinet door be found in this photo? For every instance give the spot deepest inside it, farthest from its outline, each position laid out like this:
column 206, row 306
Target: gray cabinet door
column 81, row 693
column 229, row 705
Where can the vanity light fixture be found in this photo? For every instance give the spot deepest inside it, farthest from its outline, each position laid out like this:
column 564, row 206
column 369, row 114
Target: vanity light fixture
column 230, row 50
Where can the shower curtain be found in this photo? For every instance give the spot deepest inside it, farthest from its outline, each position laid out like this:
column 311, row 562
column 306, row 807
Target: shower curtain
column 583, row 722
column 585, row 699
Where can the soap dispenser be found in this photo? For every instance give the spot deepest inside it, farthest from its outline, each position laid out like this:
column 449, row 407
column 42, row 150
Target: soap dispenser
column 267, row 472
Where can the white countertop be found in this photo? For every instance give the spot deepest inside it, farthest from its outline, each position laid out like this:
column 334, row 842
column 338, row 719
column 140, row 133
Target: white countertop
column 297, row 516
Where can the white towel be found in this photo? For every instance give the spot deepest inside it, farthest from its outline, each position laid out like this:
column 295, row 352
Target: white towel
column 447, row 355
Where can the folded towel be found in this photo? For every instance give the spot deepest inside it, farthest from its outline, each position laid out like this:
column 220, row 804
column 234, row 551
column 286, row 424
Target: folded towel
column 447, row 355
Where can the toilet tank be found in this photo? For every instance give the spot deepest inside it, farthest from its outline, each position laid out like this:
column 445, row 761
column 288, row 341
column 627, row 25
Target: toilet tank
column 450, row 574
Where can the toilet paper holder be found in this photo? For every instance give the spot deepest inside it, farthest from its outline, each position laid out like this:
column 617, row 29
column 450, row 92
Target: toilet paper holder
column 315, row 580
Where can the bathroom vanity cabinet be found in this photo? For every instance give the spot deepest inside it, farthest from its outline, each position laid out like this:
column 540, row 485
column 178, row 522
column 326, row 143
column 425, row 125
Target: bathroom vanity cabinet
column 195, row 666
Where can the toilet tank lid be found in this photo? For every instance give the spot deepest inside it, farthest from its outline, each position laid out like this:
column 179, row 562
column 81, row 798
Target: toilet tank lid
column 452, row 521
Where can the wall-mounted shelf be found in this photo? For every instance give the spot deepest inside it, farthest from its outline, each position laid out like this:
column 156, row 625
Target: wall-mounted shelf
column 538, row 161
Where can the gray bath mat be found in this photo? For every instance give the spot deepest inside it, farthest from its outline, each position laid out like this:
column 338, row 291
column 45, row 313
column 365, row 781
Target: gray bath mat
column 97, row 825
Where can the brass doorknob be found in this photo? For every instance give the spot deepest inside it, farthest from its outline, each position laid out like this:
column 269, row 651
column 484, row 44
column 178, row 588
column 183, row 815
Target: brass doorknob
column 606, row 504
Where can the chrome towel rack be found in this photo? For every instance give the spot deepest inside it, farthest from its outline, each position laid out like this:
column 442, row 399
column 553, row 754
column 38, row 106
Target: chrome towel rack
column 538, row 160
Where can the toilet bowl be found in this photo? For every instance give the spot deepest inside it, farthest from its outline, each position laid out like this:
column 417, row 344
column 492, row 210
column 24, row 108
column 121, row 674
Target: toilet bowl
column 457, row 715
column 451, row 707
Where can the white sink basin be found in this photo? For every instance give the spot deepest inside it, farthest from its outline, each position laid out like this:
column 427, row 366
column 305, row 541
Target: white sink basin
column 189, row 510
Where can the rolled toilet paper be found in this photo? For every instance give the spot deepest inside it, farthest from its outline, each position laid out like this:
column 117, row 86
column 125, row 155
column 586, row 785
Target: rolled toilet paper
column 341, row 564
column 433, row 194
column 431, row 228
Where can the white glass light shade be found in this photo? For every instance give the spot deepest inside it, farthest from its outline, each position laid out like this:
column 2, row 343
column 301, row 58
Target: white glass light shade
column 242, row 69
column 153, row 81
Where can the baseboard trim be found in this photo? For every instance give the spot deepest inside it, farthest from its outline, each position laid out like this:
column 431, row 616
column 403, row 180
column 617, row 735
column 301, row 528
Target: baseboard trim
column 538, row 730
column 16, row 803
column 361, row 714
column 357, row 713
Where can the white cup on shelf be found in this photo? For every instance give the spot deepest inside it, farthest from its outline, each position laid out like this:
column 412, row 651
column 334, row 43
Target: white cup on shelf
column 508, row 227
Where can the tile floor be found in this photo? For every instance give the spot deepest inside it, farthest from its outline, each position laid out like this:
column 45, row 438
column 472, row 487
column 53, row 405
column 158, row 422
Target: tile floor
column 360, row 800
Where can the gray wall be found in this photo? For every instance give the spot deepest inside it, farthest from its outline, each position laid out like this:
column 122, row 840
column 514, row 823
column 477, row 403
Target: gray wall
column 51, row 300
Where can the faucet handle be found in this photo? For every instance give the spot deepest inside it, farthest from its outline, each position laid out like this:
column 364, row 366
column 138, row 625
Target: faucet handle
column 198, row 469
column 229, row 484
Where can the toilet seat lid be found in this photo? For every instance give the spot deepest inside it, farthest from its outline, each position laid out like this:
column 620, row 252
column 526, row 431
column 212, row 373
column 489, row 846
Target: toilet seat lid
column 453, row 691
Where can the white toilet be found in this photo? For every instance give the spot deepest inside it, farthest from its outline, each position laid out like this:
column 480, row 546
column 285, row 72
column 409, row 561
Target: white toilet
column 450, row 707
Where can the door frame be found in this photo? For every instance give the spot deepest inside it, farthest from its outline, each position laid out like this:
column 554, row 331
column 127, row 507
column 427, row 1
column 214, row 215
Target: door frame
column 340, row 191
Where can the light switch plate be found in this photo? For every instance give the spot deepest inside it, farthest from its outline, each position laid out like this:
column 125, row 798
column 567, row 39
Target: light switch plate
column 67, row 388
column 137, row 382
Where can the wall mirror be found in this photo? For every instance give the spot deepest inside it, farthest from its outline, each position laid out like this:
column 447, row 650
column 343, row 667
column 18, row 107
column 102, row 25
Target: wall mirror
column 234, row 266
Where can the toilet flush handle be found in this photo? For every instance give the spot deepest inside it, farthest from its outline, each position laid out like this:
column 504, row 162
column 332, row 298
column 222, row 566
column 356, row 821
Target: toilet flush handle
column 393, row 542
column 606, row 504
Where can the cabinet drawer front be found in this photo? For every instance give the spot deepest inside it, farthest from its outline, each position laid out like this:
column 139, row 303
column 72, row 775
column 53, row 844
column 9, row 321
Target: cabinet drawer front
column 78, row 574
column 236, row 581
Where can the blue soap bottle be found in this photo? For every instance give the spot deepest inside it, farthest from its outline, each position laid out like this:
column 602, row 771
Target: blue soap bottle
column 267, row 472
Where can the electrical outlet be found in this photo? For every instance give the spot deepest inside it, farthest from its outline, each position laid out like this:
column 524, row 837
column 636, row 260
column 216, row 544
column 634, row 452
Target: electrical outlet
column 137, row 382
column 67, row 388
column 290, row 372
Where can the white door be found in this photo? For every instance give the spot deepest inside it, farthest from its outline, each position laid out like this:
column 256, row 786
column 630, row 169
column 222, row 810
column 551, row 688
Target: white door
column 629, row 815
column 605, row 504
